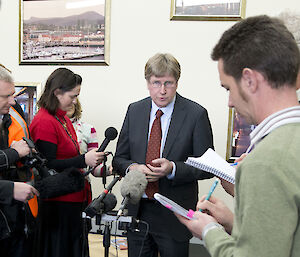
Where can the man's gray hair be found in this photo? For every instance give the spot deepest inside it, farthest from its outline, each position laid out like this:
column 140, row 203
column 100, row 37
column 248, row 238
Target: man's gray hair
column 5, row 76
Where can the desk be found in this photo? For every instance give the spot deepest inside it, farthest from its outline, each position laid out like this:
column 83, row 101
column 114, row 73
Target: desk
column 97, row 249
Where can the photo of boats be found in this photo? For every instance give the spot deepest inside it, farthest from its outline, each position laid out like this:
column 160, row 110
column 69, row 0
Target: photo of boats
column 208, row 10
column 63, row 31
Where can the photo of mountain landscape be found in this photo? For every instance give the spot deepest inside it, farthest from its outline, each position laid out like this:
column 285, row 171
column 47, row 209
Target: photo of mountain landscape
column 64, row 31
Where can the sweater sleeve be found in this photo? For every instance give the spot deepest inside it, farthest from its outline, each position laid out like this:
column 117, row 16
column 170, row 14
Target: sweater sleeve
column 6, row 191
column 49, row 151
column 8, row 157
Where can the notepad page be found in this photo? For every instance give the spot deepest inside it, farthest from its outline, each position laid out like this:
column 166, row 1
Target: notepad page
column 211, row 162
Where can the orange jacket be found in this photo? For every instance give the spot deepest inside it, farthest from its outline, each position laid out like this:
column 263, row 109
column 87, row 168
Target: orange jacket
column 18, row 128
column 16, row 131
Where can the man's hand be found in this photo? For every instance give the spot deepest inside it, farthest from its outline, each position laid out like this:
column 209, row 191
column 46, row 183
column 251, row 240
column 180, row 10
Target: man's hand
column 150, row 175
column 218, row 210
column 21, row 147
column 24, row 192
column 228, row 187
column 163, row 168
column 239, row 160
column 197, row 224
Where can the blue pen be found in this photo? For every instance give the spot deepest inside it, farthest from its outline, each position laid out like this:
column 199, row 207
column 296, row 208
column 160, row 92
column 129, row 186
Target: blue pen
column 211, row 190
column 234, row 164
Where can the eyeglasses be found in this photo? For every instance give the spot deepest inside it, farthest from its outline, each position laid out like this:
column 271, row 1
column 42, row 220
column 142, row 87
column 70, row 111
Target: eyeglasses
column 167, row 84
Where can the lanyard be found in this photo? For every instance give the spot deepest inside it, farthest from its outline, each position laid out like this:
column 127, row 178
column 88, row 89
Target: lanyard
column 68, row 132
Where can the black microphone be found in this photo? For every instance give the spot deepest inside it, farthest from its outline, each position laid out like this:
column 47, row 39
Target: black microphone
column 108, row 203
column 132, row 189
column 95, row 206
column 110, row 134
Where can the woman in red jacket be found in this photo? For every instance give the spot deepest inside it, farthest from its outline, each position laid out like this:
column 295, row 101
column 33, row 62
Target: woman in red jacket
column 61, row 227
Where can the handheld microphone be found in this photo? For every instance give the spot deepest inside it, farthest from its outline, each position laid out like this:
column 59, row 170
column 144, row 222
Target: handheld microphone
column 110, row 134
column 132, row 189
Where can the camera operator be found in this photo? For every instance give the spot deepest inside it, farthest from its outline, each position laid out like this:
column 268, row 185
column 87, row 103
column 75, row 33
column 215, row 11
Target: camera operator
column 14, row 238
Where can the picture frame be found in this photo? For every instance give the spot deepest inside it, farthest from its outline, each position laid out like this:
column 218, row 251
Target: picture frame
column 27, row 94
column 238, row 136
column 208, row 10
column 64, row 32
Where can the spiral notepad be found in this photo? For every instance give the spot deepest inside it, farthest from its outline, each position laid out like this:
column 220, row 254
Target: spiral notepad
column 213, row 163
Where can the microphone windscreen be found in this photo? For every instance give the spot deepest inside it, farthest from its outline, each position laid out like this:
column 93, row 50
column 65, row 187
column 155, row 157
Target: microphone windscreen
column 134, row 185
column 111, row 133
column 110, row 202
column 68, row 181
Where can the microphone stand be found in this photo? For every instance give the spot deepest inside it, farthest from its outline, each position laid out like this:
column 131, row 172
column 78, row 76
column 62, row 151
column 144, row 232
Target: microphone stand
column 108, row 219
column 104, row 168
column 106, row 239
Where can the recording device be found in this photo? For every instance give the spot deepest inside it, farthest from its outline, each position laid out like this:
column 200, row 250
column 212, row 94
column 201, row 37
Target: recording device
column 36, row 162
column 68, row 181
column 95, row 206
column 132, row 189
column 110, row 134
column 48, row 182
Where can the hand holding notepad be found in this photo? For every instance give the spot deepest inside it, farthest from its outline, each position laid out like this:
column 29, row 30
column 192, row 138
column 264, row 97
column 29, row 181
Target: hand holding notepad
column 172, row 206
column 213, row 163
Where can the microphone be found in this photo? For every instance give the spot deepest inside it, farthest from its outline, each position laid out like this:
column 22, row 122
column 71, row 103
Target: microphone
column 68, row 181
column 110, row 134
column 132, row 189
column 95, row 206
column 108, row 203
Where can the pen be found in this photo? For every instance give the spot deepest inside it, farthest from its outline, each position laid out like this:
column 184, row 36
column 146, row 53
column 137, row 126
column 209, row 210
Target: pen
column 211, row 190
column 234, row 164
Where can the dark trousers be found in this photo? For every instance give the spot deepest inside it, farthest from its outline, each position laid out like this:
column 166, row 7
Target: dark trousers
column 17, row 245
column 157, row 240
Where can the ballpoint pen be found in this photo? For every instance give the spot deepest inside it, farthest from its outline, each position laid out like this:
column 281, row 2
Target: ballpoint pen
column 211, row 190
column 234, row 164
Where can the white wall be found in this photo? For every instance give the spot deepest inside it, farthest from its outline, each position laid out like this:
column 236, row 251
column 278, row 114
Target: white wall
column 139, row 29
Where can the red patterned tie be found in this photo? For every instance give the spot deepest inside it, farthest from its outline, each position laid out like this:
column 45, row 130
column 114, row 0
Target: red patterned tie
column 153, row 151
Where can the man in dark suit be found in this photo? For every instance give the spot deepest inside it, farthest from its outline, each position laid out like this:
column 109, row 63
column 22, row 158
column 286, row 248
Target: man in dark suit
column 185, row 131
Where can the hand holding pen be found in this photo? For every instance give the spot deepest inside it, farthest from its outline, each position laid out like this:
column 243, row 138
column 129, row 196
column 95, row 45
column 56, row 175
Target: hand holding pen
column 218, row 210
column 212, row 189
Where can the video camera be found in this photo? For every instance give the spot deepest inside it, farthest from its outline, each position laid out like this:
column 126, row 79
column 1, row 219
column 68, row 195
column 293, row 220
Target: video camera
column 47, row 181
column 36, row 162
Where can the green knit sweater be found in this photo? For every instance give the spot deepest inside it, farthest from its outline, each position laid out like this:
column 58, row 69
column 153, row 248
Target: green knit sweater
column 267, row 201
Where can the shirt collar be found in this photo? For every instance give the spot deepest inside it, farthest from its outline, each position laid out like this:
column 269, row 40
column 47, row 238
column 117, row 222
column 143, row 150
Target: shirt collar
column 166, row 110
column 283, row 117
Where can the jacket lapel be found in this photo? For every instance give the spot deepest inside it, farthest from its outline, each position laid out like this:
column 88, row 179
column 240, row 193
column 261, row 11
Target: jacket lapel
column 177, row 121
column 144, row 117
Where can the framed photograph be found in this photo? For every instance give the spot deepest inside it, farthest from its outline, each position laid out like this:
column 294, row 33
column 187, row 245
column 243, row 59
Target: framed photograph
column 26, row 95
column 208, row 10
column 238, row 136
column 64, row 32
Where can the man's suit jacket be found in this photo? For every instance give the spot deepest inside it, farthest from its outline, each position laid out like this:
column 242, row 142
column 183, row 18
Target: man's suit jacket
column 189, row 134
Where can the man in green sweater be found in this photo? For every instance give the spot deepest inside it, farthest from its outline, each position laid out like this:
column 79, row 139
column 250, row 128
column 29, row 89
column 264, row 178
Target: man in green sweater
column 258, row 63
